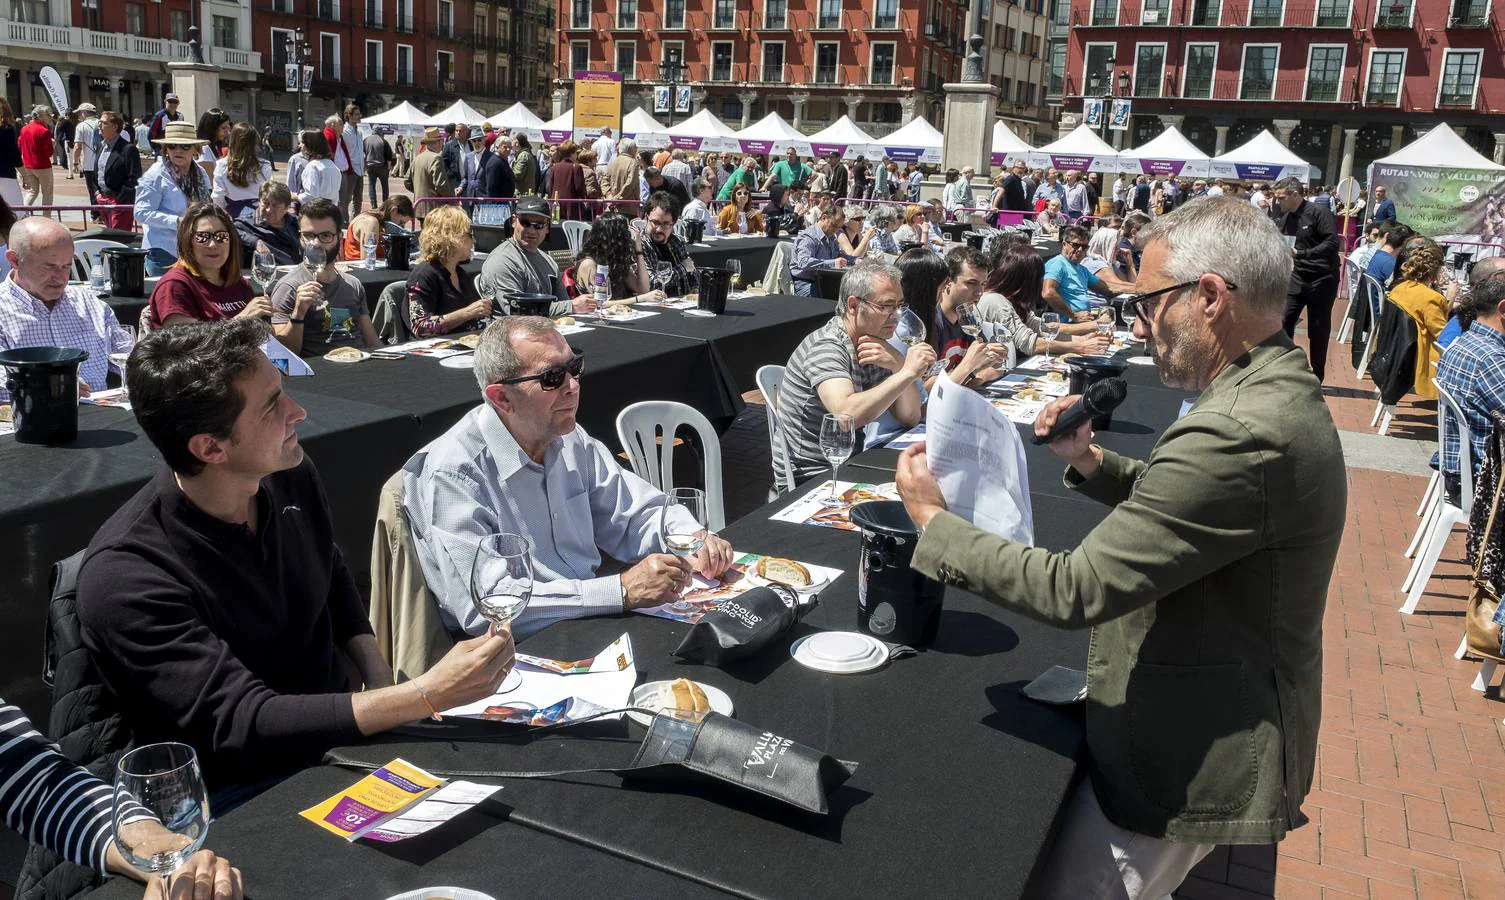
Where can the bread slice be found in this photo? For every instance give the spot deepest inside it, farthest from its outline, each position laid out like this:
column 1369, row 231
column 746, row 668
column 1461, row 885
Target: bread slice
column 687, row 697
column 565, row 321
column 470, row 340
column 783, row 571
column 344, row 354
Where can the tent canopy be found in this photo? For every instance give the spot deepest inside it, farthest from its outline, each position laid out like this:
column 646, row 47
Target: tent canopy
column 772, row 135
column 459, row 111
column 844, row 137
column 516, row 116
column 1262, row 158
column 917, row 141
column 646, row 130
column 703, row 131
column 403, row 114
column 1169, row 153
column 1008, row 146
column 1441, row 148
column 1082, row 150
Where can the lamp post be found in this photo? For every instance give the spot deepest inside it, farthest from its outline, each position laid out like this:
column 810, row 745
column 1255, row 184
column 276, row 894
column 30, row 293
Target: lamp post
column 1104, row 87
column 297, row 56
column 671, row 71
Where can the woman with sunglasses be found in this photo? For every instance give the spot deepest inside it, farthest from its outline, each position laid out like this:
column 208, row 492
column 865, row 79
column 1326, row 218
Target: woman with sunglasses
column 169, row 187
column 205, row 284
column 1011, row 300
column 855, row 236
column 739, row 216
column 442, row 297
column 240, row 173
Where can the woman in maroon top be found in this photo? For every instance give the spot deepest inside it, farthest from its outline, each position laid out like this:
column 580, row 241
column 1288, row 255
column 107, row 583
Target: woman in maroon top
column 205, row 285
column 567, row 182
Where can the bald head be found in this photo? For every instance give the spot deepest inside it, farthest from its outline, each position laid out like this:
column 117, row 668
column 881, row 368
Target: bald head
column 41, row 257
column 1485, row 269
column 38, row 233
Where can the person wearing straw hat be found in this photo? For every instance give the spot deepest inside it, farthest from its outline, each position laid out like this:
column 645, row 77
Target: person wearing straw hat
column 430, row 177
column 167, row 189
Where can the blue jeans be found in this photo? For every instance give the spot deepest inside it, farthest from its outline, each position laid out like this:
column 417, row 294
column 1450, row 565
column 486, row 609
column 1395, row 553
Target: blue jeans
column 158, row 261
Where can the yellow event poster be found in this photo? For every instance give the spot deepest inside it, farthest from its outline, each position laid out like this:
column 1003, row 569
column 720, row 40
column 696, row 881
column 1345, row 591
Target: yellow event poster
column 372, row 799
column 598, row 103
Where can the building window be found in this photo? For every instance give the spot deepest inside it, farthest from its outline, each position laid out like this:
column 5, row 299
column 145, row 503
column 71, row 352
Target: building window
column 1385, row 69
column 1155, row 12
column 329, row 56
column 1324, row 72
column 1206, row 12
column 1258, row 81
column 31, row 12
column 886, row 14
column 1265, row 12
column 627, row 14
column 135, row 18
column 773, row 61
column 829, row 15
column 373, row 61
column 1393, row 13
column 329, row 10
column 280, row 37
column 721, row 60
column 1057, row 68
column 224, row 32
column 1469, row 12
column 444, row 68
column 724, row 14
column 580, row 13
column 1201, row 64
column 177, row 24
column 480, row 76
column 1097, row 73
column 373, row 13
column 403, row 13
column 881, row 69
column 627, row 58
column 1105, row 12
column 1149, row 69
column 674, row 14
column 446, row 18
column 1460, row 74
column 775, row 13
column 826, row 57
column 1333, row 13
column 404, row 64
column 580, row 57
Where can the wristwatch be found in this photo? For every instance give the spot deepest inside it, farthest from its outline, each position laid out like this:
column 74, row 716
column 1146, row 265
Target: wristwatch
column 298, row 321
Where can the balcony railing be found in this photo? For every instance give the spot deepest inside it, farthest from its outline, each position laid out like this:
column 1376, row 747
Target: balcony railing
column 1393, row 15
column 1469, row 14
column 62, row 38
column 1243, row 13
column 1456, row 100
column 1292, row 89
column 846, row 75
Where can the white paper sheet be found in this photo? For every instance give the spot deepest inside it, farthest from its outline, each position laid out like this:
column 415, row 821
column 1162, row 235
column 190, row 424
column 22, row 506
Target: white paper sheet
column 605, row 680
column 431, row 812
column 114, row 397
column 286, row 361
column 978, row 458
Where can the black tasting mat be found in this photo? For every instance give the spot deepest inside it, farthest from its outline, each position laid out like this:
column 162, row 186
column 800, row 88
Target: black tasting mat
column 282, row 855
column 57, row 497
column 753, row 252
column 954, row 764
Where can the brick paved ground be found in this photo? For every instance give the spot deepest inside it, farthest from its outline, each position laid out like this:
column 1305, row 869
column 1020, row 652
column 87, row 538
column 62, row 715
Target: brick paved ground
column 1409, row 796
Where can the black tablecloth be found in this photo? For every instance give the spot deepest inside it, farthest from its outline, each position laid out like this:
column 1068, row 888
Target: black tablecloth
column 54, row 499
column 753, row 252
column 489, row 237
column 374, row 280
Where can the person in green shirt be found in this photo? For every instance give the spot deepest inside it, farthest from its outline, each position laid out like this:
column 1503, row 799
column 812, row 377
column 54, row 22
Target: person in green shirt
column 744, row 174
column 788, row 170
column 1204, row 586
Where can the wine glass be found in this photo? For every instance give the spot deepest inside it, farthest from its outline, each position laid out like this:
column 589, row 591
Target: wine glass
column 1105, row 322
column 838, row 435
column 735, row 267
column 684, row 532
column 501, row 583
column 161, row 811
column 264, row 268
column 119, row 358
column 910, row 329
column 1130, row 317
column 313, row 259
column 966, row 318
column 1051, row 327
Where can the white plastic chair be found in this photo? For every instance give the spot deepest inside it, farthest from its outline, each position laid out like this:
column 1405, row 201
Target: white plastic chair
column 646, row 430
column 771, row 383
column 1431, row 498
column 1447, row 514
column 86, row 252
column 1375, row 296
column 1354, row 275
column 574, row 234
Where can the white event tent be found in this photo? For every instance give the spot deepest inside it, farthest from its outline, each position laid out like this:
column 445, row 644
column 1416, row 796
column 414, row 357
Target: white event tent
column 1441, row 148
column 519, row 118
column 1082, row 150
column 648, row 132
column 459, row 111
column 1008, row 146
column 703, row 131
column 772, row 135
column 1169, row 153
column 1447, row 190
column 1263, row 158
column 917, row 141
column 404, row 118
column 845, row 138
column 560, row 128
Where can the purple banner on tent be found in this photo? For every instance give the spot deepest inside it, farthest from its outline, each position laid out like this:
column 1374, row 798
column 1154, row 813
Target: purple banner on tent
column 1066, row 163
column 905, row 154
column 827, row 149
column 756, row 147
column 684, row 143
column 557, row 136
column 1162, row 166
column 1256, row 170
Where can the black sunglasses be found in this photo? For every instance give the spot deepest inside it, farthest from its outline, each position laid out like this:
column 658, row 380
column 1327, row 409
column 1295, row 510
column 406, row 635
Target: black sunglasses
column 552, row 378
column 1135, row 305
column 533, row 224
column 204, row 237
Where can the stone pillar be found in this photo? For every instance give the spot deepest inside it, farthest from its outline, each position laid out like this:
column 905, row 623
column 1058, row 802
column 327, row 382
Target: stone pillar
column 746, row 98
column 697, row 99
column 1118, row 137
column 253, row 93
column 971, row 110
column 1220, row 146
column 1172, row 122
column 1421, row 129
column 1397, row 137
column 197, row 87
column 1350, row 142
column 645, row 101
column 1334, row 154
column 1499, row 155
column 1283, row 129
column 74, row 98
column 799, row 100
column 114, row 90
column 561, row 97
column 852, row 101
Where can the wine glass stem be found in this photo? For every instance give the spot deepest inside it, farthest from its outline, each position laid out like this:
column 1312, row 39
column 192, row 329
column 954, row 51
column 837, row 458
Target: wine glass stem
column 833, row 481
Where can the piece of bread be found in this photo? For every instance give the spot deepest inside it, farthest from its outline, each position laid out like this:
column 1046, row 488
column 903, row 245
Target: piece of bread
column 783, row 571
column 565, row 321
column 344, row 354
column 5, row 412
column 470, row 340
column 687, row 697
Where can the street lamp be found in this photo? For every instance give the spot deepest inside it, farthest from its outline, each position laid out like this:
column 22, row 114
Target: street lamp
column 297, row 56
column 671, row 71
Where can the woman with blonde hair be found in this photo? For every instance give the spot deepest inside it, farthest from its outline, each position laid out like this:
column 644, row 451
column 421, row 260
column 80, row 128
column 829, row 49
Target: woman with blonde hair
column 1415, row 291
column 916, row 227
column 240, row 173
column 739, row 216
column 204, row 285
column 442, row 296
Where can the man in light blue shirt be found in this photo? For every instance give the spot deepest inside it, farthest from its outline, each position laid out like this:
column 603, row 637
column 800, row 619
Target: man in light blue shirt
column 519, row 463
column 816, row 248
column 1067, row 282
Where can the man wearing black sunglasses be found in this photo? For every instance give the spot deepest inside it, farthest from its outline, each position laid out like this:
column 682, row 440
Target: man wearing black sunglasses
column 518, row 266
column 1204, row 586
column 519, row 463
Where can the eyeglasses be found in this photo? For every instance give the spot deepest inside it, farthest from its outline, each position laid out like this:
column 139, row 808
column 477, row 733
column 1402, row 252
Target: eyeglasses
column 204, row 237
column 322, row 237
column 1138, row 305
column 885, row 309
column 176, row 147
column 552, row 378
column 533, row 224
column 1075, row 245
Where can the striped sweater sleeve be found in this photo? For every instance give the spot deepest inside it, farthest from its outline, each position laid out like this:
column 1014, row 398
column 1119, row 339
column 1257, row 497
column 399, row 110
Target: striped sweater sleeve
column 50, row 800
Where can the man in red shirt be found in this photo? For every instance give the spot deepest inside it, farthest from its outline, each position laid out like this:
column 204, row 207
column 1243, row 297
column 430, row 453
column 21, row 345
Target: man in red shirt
column 36, row 157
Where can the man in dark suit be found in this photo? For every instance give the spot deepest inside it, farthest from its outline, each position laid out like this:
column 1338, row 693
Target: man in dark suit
column 117, row 168
column 454, row 152
column 1313, row 238
column 836, row 181
column 1014, row 197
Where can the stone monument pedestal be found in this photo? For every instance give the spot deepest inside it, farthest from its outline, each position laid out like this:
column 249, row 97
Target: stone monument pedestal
column 197, row 87
column 967, row 139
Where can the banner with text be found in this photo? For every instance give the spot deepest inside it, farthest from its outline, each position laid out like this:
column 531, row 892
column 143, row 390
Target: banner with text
column 598, row 104
column 1456, row 204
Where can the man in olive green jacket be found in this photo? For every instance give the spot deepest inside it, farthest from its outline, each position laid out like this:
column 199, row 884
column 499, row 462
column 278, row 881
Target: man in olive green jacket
column 1204, row 586
column 430, row 178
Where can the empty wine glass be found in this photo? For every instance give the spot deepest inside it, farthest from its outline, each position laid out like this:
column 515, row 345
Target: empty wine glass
column 1051, row 327
column 120, row 355
column 1105, row 322
column 682, row 526
column 161, row 808
column 501, row 583
column 838, row 435
column 1130, row 317
column 264, row 268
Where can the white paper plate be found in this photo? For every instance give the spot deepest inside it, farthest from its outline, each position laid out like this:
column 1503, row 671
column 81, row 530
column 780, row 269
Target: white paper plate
column 818, row 580
column 442, row 893
column 718, row 699
column 462, row 361
column 364, row 356
column 840, row 652
column 698, row 313
column 1141, row 360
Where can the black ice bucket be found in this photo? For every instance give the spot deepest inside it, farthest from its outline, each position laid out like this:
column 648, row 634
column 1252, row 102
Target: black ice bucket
column 127, row 268
column 1088, row 370
column 43, row 385
column 694, row 230
column 975, row 239
column 894, row 602
column 530, row 304
column 714, row 283
column 399, row 248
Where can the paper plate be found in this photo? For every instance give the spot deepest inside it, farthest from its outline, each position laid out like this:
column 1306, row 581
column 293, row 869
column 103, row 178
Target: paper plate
column 463, row 361
column 840, row 652
column 698, row 313
column 442, row 893
column 364, row 356
column 718, row 699
column 1141, row 360
column 818, row 580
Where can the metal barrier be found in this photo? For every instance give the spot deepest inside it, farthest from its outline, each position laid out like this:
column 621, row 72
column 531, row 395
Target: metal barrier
column 83, row 210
